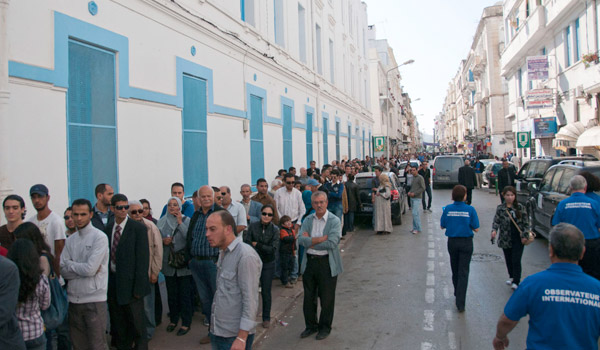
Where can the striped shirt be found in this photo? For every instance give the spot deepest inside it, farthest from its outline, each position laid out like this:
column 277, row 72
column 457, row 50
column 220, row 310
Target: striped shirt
column 200, row 245
column 29, row 313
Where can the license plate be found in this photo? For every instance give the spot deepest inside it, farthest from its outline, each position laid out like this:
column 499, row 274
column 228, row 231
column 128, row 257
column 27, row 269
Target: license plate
column 368, row 209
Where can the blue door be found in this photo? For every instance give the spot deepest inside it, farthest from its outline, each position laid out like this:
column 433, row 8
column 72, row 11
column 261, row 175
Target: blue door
column 349, row 142
column 91, row 120
column 337, row 140
column 257, row 158
column 287, row 137
column 195, row 154
column 309, row 138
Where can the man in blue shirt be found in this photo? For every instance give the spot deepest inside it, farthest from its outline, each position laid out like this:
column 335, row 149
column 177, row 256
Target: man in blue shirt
column 177, row 190
column 563, row 303
column 203, row 257
column 460, row 221
column 583, row 212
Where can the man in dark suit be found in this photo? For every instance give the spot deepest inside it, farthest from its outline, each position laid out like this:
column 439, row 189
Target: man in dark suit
column 506, row 177
column 467, row 178
column 313, row 169
column 128, row 277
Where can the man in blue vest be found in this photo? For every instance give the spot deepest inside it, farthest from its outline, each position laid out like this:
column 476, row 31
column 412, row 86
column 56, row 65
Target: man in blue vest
column 583, row 212
column 563, row 303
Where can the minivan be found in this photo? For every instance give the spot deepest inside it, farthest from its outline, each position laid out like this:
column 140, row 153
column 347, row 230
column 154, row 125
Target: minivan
column 445, row 170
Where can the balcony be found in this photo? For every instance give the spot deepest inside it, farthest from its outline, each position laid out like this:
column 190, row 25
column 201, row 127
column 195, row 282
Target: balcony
column 480, row 63
column 526, row 38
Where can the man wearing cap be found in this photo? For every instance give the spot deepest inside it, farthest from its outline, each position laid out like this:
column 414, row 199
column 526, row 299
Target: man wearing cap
column 49, row 223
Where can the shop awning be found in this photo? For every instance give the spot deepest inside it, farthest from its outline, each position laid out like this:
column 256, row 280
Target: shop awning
column 567, row 135
column 589, row 138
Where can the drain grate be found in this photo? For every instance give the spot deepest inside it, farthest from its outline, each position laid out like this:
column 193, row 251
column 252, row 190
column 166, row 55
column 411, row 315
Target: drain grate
column 485, row 257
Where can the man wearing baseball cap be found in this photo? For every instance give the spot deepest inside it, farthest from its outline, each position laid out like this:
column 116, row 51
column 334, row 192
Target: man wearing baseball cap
column 49, row 222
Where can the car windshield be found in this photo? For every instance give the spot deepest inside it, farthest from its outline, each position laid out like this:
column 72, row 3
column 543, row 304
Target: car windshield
column 365, row 182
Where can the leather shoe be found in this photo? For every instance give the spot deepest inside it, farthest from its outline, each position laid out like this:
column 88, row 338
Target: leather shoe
column 307, row 332
column 171, row 327
column 182, row 331
column 322, row 335
column 205, row 340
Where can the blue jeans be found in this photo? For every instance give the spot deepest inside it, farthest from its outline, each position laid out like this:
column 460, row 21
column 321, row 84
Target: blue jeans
column 149, row 310
column 296, row 268
column 416, row 213
column 204, row 273
column 222, row 343
column 336, row 209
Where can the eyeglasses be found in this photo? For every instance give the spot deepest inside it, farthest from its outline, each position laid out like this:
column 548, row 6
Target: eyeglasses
column 139, row 211
column 67, row 217
column 290, row 183
column 267, row 214
column 219, row 198
column 122, row 207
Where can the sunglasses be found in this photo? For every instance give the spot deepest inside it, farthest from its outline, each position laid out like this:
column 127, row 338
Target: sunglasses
column 139, row 211
column 66, row 217
column 122, row 207
column 223, row 194
column 267, row 214
column 290, row 183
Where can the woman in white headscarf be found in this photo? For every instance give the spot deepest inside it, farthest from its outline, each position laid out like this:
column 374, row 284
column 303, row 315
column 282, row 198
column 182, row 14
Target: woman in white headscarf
column 173, row 229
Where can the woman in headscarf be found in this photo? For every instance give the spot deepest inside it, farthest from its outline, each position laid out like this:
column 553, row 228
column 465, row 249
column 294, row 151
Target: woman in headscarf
column 383, row 206
column 173, row 229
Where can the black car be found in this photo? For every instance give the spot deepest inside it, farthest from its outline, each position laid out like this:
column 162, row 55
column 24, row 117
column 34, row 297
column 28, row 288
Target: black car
column 553, row 188
column 365, row 185
column 533, row 172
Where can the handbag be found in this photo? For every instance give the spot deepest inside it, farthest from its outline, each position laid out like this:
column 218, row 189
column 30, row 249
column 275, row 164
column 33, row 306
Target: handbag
column 177, row 259
column 55, row 314
column 528, row 237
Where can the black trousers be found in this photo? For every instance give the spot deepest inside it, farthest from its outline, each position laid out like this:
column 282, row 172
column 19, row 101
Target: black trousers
column 460, row 250
column 266, row 282
column 428, row 191
column 318, row 283
column 591, row 259
column 513, row 255
column 127, row 322
column 469, row 195
column 286, row 260
column 179, row 296
column 158, row 306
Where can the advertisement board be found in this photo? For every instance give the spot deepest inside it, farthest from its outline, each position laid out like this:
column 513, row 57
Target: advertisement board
column 544, row 127
column 537, row 67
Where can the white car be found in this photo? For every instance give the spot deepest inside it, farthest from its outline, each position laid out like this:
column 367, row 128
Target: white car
column 415, row 163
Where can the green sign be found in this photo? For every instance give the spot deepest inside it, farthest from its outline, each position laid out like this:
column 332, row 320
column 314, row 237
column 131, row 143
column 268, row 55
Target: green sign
column 523, row 139
column 379, row 143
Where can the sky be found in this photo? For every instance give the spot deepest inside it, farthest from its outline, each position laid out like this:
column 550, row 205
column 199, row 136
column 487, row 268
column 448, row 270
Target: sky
column 437, row 34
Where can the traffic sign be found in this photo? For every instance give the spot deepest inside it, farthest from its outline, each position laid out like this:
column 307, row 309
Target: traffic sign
column 523, row 139
column 379, row 143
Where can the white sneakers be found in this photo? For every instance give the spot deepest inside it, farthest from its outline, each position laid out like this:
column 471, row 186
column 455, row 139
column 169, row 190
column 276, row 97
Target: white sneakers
column 508, row 282
column 514, row 286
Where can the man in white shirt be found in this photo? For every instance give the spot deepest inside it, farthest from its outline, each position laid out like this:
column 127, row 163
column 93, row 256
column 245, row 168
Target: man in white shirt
column 235, row 209
column 51, row 225
column 84, row 263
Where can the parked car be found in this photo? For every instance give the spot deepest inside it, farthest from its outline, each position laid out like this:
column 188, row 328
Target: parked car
column 490, row 173
column 415, row 163
column 445, row 170
column 553, row 188
column 365, row 185
column 533, row 172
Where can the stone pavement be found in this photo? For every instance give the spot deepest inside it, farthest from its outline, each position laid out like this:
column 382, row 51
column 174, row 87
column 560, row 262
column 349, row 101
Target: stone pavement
column 282, row 300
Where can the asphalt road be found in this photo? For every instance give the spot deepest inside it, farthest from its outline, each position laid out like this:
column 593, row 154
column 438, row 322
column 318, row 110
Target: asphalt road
column 396, row 291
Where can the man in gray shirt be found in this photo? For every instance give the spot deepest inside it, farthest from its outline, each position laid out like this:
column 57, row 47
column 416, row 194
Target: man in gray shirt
column 416, row 190
column 236, row 299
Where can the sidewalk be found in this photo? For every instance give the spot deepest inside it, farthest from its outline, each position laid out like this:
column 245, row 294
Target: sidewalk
column 282, row 300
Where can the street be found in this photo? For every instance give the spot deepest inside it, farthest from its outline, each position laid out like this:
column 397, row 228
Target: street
column 396, row 291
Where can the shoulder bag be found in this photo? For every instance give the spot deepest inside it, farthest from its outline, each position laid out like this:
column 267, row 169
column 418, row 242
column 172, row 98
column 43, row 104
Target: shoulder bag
column 526, row 238
column 177, row 258
column 55, row 314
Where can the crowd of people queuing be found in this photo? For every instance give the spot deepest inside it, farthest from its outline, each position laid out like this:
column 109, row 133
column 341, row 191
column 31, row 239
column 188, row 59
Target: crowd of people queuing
column 107, row 257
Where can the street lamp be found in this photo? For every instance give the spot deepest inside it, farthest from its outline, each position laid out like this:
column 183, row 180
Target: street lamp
column 387, row 102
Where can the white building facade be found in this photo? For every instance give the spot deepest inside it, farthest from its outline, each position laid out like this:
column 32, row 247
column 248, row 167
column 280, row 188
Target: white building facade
column 566, row 33
column 143, row 94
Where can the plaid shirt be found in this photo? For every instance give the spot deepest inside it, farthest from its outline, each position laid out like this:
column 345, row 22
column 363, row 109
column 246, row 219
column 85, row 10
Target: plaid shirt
column 200, row 245
column 29, row 312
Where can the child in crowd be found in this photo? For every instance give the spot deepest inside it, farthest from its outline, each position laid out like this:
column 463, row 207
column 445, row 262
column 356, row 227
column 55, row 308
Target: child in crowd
column 286, row 249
